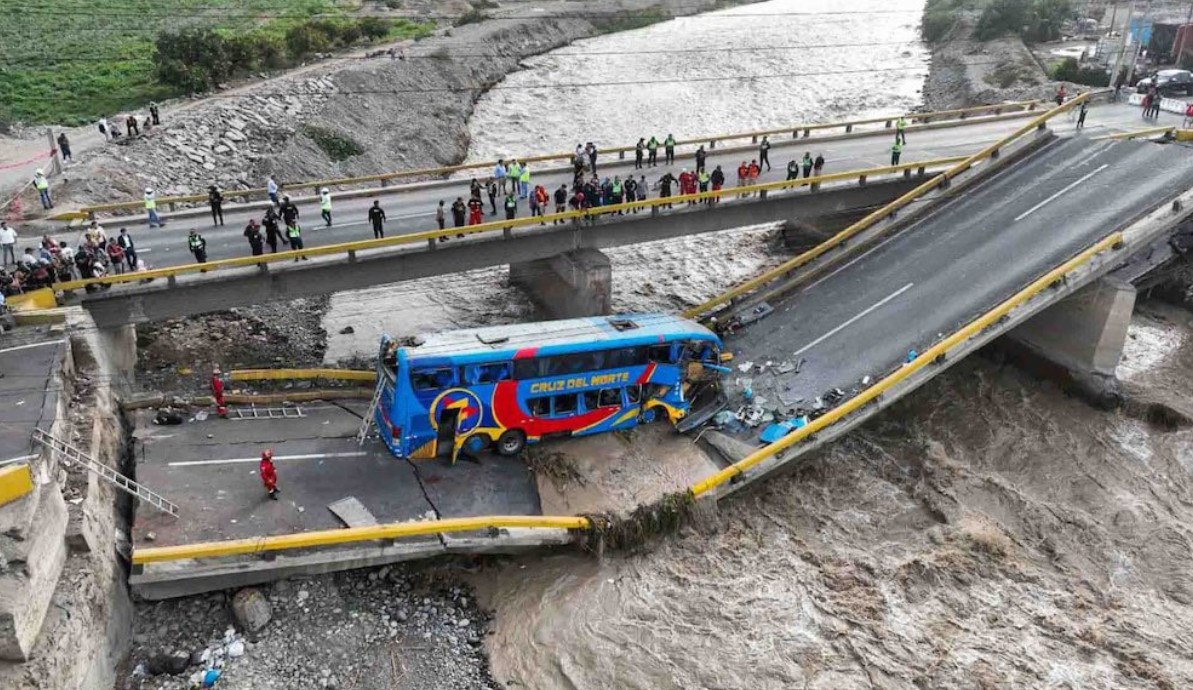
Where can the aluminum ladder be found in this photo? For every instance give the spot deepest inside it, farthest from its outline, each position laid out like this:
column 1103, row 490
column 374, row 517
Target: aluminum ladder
column 367, row 422
column 69, row 455
column 255, row 412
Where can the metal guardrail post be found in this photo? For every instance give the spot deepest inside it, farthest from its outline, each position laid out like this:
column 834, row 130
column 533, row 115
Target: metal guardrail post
column 887, row 124
column 351, row 256
column 848, row 129
column 907, row 173
column 920, row 171
column 712, row 144
column 807, row 133
column 431, row 243
column 995, row 153
column 754, row 139
column 172, row 281
column 621, row 155
column 507, row 233
column 762, row 194
column 861, row 180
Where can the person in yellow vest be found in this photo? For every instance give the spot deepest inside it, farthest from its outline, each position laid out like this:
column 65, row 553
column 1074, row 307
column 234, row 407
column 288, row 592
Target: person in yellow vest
column 151, row 208
column 514, row 173
column 901, row 130
column 896, row 151
column 43, row 189
column 524, row 180
column 325, row 205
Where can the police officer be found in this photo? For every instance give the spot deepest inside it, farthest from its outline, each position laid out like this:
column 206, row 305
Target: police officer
column 151, row 208
column 288, row 211
column 377, row 219
column 252, row 232
column 325, row 206
column 669, row 147
column 793, row 169
column 198, row 246
column 294, row 234
column 273, row 232
column 511, row 206
column 764, row 153
column 896, row 151
column 652, row 150
column 639, row 149
column 43, row 189
column 701, row 156
column 216, row 201
column 901, row 130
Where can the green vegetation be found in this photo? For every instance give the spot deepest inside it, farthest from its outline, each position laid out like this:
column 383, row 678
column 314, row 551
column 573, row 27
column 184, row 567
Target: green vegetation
column 70, row 61
column 338, row 147
column 626, row 21
column 1032, row 20
column 1069, row 70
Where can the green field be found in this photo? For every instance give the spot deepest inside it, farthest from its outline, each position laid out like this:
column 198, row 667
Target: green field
column 70, row 61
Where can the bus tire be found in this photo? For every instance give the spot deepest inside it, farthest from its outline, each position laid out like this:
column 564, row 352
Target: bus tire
column 511, row 442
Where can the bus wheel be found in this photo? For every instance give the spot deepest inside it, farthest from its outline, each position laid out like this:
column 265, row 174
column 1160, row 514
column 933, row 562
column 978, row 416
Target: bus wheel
column 511, row 442
column 648, row 416
column 475, row 443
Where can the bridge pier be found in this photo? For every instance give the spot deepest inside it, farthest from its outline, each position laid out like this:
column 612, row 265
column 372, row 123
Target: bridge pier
column 117, row 348
column 1079, row 340
column 567, row 285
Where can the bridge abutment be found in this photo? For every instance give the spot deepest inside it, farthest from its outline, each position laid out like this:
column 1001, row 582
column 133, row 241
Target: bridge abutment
column 1080, row 339
column 568, row 285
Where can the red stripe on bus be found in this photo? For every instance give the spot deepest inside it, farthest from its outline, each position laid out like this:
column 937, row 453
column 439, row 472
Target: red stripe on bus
column 526, row 353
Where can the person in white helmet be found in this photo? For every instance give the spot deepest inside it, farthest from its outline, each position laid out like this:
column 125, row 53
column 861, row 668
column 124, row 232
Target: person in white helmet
column 151, row 208
column 325, row 205
column 43, row 189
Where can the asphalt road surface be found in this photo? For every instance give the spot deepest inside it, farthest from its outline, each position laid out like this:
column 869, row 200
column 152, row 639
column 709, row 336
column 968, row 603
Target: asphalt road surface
column 414, row 210
column 862, row 318
column 28, row 395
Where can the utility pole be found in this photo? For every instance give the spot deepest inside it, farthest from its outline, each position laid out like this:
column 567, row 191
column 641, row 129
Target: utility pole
column 1122, row 48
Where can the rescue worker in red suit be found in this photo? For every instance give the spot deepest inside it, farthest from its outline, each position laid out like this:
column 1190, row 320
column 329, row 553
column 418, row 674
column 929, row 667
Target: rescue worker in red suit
column 476, row 211
column 217, row 392
column 269, row 475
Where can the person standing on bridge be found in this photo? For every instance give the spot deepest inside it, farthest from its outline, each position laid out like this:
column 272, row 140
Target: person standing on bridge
column 807, row 164
column 459, row 211
column 896, row 151
column 652, row 152
column 294, row 235
column 665, row 183
column 216, row 201
column 125, row 241
column 590, row 150
column 499, row 175
column 491, row 190
column 476, row 211
column 901, row 130
column 561, row 200
column 115, row 256
column 8, row 243
column 743, row 174
column 269, row 475
column 755, row 171
column 514, row 173
column 541, row 198
column 701, row 157
column 271, row 188
column 151, row 209
column 325, row 206
column 631, row 192
column 1188, row 116
column 198, row 247
column 718, row 181
column 288, row 210
column 440, row 215
column 639, row 150
column 702, row 178
column 524, row 178
column 273, row 231
column 1081, row 111
column 377, row 219
column 511, row 206
column 43, row 189
column 818, row 165
column 764, row 153
column 669, row 148
column 252, row 233
column 792, row 169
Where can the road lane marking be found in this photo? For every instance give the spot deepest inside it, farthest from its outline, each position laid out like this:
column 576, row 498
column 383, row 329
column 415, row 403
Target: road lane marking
column 1052, row 198
column 851, row 321
column 238, row 461
column 26, row 347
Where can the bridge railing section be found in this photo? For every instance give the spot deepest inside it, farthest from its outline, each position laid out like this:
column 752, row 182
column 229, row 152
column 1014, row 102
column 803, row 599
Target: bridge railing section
column 887, row 211
column 432, row 237
column 383, row 179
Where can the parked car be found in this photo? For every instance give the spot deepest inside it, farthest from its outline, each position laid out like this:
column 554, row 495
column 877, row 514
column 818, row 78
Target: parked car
column 1169, row 82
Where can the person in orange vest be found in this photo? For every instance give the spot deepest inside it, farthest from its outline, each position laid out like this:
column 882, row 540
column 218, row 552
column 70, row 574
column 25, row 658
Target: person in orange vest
column 743, row 174
column 217, row 392
column 753, row 172
column 269, row 475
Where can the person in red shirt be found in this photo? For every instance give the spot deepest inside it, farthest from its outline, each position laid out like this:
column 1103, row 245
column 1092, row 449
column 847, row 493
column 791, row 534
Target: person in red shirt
column 1188, row 116
column 755, row 170
column 269, row 475
column 743, row 174
column 476, row 211
column 217, row 392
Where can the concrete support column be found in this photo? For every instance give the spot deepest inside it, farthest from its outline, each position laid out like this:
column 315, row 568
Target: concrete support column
column 33, row 549
column 575, row 283
column 116, row 350
column 1084, row 335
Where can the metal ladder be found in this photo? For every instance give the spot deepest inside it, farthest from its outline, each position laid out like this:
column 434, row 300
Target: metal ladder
column 367, row 422
column 255, row 412
column 69, row 455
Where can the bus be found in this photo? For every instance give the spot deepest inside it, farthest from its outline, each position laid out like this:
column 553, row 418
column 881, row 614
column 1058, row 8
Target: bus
column 502, row 387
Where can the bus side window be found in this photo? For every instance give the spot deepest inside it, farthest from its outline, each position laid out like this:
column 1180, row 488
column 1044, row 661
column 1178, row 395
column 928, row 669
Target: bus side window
column 540, row 407
column 591, row 400
column 610, row 397
column 492, row 373
column 431, row 379
column 565, row 404
column 660, row 353
column 634, row 394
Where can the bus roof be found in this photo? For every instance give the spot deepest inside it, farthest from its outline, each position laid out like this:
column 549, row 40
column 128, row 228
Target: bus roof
column 588, row 331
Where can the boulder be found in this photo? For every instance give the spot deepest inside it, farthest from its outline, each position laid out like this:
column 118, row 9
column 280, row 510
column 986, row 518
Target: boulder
column 251, row 609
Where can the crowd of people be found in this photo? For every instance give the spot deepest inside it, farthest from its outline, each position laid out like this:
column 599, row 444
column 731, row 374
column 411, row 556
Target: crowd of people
column 49, row 262
column 133, row 124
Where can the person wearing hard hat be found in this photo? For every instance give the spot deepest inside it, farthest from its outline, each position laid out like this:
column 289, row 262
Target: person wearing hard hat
column 43, row 189
column 269, row 475
column 325, row 205
column 151, row 208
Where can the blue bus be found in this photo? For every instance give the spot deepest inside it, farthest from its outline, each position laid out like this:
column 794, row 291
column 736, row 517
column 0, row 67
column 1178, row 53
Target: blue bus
column 502, row 387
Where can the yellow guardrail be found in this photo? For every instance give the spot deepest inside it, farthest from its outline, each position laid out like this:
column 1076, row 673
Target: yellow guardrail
column 1149, row 132
column 16, row 481
column 871, row 218
column 497, row 225
column 293, row 374
column 924, row 359
column 960, row 114
column 397, row 530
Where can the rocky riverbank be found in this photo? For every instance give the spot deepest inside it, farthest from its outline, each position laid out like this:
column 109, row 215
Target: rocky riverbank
column 966, row 72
